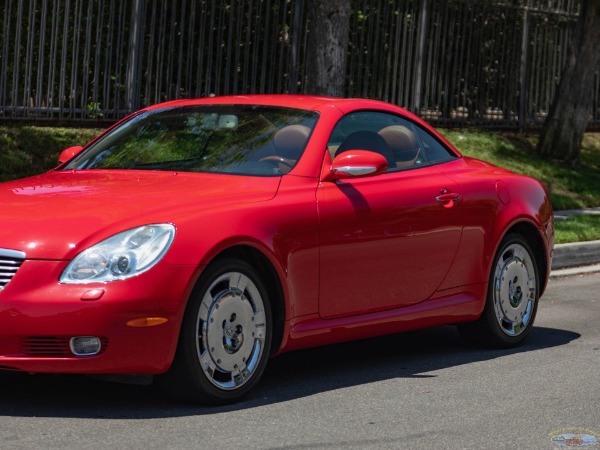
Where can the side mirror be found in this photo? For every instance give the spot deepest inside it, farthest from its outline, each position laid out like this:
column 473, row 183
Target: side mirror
column 69, row 153
column 357, row 163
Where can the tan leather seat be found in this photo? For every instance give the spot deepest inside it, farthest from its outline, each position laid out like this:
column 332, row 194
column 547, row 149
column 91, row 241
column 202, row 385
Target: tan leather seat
column 291, row 140
column 289, row 143
column 403, row 143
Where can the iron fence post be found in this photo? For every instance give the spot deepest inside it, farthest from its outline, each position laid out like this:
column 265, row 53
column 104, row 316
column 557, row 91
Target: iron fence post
column 420, row 58
column 134, row 59
column 295, row 47
column 523, row 72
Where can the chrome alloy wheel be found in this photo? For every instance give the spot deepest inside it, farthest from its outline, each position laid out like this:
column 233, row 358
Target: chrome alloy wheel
column 230, row 330
column 514, row 289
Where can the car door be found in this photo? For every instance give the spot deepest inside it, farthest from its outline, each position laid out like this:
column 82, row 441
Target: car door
column 386, row 241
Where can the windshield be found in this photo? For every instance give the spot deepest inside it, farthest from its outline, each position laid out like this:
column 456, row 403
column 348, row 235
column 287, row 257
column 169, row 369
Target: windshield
column 237, row 139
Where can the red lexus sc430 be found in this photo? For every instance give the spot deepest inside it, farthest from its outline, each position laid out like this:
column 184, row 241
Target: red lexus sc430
column 196, row 239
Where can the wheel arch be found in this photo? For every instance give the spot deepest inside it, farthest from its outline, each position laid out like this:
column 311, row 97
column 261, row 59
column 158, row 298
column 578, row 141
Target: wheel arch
column 273, row 285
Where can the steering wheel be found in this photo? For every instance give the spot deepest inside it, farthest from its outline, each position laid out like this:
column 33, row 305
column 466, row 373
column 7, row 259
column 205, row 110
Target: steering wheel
column 276, row 160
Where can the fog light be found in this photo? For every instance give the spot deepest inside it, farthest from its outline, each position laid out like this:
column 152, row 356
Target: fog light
column 85, row 345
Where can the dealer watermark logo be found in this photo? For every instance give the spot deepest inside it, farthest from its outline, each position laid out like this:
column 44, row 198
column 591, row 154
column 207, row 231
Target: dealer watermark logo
column 574, row 437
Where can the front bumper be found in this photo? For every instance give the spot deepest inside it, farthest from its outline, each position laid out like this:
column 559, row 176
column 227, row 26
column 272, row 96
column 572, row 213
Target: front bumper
column 36, row 309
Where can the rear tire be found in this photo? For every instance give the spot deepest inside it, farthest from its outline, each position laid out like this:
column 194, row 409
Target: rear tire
column 512, row 297
column 225, row 337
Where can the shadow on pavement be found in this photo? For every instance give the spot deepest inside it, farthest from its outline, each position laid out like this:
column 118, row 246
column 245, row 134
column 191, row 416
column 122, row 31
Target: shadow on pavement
column 289, row 376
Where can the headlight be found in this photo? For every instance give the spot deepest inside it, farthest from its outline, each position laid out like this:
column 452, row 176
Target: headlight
column 124, row 255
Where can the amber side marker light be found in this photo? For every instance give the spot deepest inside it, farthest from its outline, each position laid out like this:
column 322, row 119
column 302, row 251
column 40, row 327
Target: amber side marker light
column 147, row 322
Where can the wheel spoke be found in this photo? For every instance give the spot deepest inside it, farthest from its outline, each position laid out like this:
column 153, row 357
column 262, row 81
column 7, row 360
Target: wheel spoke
column 518, row 252
column 259, row 318
column 254, row 294
column 238, row 281
column 205, row 305
column 240, row 377
column 207, row 364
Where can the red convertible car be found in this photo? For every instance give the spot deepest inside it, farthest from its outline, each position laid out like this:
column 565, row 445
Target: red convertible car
column 196, row 239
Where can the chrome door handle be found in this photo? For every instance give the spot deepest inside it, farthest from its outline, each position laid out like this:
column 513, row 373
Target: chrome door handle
column 451, row 196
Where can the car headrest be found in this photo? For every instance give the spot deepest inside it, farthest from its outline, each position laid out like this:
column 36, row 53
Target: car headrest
column 399, row 138
column 363, row 140
column 291, row 140
column 367, row 140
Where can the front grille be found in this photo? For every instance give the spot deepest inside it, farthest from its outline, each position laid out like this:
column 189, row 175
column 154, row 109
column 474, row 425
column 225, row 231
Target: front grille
column 10, row 261
column 51, row 346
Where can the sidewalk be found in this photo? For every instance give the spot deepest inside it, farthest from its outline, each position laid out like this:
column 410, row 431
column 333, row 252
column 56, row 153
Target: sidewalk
column 577, row 258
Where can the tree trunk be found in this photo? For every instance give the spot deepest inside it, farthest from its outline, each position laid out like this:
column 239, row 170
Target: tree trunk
column 563, row 129
column 329, row 27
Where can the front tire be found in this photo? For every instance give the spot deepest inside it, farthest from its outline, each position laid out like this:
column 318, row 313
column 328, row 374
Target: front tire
column 512, row 297
column 225, row 337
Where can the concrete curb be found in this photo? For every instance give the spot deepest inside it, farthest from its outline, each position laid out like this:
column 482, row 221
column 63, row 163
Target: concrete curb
column 576, row 254
column 562, row 215
column 571, row 271
column 577, row 258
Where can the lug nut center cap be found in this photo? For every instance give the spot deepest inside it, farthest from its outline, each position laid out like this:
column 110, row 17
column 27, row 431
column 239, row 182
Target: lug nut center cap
column 516, row 295
column 233, row 337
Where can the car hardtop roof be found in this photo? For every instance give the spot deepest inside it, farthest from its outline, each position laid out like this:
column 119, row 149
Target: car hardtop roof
column 312, row 102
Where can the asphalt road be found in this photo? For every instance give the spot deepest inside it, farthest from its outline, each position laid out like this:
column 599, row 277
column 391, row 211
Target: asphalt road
column 425, row 389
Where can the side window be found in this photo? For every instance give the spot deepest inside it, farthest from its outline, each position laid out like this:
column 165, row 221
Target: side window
column 434, row 151
column 387, row 134
column 404, row 144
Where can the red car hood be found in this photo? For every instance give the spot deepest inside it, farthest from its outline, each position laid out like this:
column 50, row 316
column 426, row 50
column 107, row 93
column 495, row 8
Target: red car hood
column 48, row 216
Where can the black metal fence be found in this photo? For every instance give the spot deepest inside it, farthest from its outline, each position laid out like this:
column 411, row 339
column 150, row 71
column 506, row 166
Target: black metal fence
column 450, row 61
